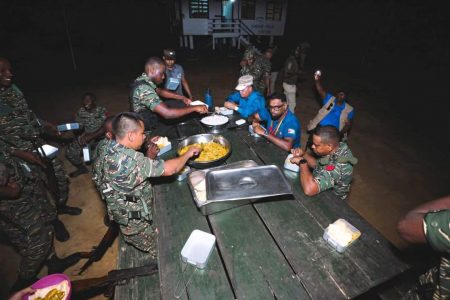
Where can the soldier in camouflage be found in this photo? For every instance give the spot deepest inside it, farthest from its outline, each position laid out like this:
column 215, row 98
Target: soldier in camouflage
column 254, row 65
column 20, row 129
column 90, row 117
column 430, row 223
column 27, row 217
column 333, row 170
column 145, row 101
column 125, row 184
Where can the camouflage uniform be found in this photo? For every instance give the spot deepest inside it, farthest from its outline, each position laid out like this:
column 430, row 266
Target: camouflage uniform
column 436, row 227
column 26, row 220
column 257, row 70
column 19, row 125
column 97, row 166
column 128, row 194
column 144, row 99
column 335, row 171
column 91, row 122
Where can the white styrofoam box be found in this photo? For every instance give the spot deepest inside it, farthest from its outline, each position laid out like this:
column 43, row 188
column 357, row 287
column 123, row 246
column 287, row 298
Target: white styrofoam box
column 68, row 126
column 198, row 248
column 164, row 149
column 86, row 154
column 240, row 122
column 252, row 132
column 341, row 239
column 290, row 166
column 225, row 111
column 49, row 151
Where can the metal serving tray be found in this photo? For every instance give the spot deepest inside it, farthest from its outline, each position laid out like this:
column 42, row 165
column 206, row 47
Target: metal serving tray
column 213, row 206
column 246, row 183
column 209, row 207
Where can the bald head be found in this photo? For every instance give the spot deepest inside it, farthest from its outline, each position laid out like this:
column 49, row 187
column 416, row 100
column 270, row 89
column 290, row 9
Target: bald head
column 5, row 73
column 154, row 68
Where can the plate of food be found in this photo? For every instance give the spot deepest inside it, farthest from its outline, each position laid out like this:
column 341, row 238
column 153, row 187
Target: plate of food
column 51, row 287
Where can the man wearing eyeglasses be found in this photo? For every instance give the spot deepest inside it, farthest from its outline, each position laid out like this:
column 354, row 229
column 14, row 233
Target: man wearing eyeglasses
column 245, row 101
column 283, row 127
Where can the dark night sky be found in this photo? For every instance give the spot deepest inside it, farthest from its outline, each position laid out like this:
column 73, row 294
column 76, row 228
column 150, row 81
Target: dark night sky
column 404, row 37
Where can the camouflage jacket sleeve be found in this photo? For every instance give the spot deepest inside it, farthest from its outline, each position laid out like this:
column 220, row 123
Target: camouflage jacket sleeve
column 147, row 96
column 327, row 179
column 437, row 230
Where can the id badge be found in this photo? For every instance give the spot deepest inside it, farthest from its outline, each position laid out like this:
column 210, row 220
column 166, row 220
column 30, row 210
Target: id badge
column 173, row 84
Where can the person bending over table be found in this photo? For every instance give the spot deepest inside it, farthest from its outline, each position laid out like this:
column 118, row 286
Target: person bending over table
column 332, row 170
column 429, row 223
column 245, row 101
column 125, row 185
column 283, row 127
column 145, row 101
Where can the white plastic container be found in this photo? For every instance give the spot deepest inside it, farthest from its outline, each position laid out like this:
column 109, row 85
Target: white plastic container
column 164, row 145
column 68, row 126
column 49, row 151
column 341, row 234
column 225, row 111
column 252, row 132
column 86, row 154
column 290, row 166
column 164, row 149
column 198, row 248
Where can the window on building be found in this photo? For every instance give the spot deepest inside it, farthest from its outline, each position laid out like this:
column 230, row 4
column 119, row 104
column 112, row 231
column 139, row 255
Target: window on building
column 248, row 9
column 198, row 9
column 274, row 10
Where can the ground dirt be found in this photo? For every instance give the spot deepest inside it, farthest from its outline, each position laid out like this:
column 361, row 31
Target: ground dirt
column 398, row 166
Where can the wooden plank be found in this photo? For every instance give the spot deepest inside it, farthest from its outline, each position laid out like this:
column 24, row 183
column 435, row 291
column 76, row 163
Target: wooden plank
column 176, row 216
column 256, row 267
column 140, row 288
column 373, row 260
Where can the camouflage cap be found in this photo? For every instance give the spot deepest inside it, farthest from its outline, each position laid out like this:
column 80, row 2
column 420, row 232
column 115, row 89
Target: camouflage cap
column 169, row 54
column 244, row 81
column 249, row 54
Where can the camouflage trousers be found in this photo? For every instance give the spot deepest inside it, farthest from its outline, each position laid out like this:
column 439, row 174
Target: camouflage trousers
column 63, row 183
column 26, row 223
column 74, row 152
column 434, row 284
column 141, row 234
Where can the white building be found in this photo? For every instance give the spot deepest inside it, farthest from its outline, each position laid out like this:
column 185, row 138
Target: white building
column 232, row 20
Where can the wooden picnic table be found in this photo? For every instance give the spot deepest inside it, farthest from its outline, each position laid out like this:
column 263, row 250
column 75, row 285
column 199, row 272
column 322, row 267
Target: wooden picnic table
column 265, row 250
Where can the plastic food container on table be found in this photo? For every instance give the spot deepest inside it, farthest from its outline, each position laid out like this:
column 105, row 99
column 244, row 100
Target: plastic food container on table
column 341, row 234
column 198, row 248
column 290, row 166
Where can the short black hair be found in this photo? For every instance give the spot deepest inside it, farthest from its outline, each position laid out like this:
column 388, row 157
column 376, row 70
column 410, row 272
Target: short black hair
column 153, row 62
column 328, row 134
column 280, row 96
column 91, row 95
column 126, row 122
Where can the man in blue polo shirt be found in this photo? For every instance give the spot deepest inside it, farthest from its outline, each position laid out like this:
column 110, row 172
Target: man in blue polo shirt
column 245, row 101
column 335, row 110
column 283, row 127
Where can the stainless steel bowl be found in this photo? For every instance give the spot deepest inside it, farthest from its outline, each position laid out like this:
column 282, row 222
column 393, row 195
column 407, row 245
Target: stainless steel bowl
column 205, row 138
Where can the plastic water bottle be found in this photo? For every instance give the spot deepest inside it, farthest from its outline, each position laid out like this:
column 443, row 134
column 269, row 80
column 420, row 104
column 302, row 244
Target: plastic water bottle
column 209, row 100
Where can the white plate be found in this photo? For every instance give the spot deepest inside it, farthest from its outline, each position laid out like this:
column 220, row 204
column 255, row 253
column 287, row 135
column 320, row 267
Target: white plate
column 198, row 102
column 214, row 120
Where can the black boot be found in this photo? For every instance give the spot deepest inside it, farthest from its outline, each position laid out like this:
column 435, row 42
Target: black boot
column 61, row 233
column 81, row 169
column 69, row 210
column 58, row 265
column 106, row 220
column 22, row 283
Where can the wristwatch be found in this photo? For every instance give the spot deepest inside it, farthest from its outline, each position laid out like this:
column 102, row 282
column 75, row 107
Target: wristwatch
column 302, row 161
